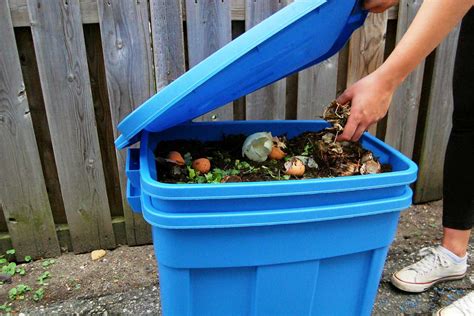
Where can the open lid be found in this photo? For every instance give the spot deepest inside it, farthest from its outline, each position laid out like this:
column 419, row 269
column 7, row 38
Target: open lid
column 300, row 35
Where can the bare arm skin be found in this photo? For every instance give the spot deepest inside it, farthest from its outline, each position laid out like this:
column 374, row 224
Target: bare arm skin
column 371, row 96
column 379, row 6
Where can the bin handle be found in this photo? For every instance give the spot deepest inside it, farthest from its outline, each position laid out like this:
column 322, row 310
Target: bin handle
column 132, row 166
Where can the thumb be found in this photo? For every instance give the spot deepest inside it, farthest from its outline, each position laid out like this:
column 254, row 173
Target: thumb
column 345, row 97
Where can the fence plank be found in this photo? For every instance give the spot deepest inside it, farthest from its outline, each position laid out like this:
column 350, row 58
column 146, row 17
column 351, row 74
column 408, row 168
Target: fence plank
column 438, row 123
column 209, row 28
column 129, row 71
column 168, row 42
column 105, row 129
column 60, row 51
column 23, row 195
column 366, row 50
column 32, row 81
column 268, row 102
column 403, row 114
column 317, row 88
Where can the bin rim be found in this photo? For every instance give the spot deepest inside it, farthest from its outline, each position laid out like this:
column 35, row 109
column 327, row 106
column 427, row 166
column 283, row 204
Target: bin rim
column 257, row 189
column 204, row 220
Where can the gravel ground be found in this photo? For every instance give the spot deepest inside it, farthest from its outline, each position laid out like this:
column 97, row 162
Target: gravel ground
column 124, row 281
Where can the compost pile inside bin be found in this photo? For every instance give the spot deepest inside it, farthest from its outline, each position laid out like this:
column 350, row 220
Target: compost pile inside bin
column 266, row 157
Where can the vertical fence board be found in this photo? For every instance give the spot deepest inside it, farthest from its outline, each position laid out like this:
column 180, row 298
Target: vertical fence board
column 168, row 41
column 105, row 130
column 23, row 198
column 209, row 28
column 129, row 71
column 438, row 122
column 403, row 114
column 40, row 122
column 366, row 50
column 317, row 88
column 238, row 28
column 268, row 102
column 62, row 63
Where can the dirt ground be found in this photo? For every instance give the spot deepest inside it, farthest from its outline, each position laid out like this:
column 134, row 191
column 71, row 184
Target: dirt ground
column 125, row 282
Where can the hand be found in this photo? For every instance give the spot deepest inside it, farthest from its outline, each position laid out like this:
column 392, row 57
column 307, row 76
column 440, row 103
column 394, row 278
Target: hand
column 379, row 6
column 370, row 98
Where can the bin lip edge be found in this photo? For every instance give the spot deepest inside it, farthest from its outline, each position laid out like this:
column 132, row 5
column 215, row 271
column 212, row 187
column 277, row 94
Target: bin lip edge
column 153, row 187
column 397, row 203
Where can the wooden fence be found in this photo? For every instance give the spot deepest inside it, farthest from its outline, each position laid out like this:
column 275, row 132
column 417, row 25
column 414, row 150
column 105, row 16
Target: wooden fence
column 70, row 70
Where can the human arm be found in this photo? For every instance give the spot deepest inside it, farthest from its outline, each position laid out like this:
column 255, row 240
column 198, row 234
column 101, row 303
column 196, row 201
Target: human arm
column 371, row 96
column 379, row 6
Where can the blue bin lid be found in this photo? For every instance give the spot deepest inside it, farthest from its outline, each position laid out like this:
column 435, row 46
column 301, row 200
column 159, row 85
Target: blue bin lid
column 300, row 35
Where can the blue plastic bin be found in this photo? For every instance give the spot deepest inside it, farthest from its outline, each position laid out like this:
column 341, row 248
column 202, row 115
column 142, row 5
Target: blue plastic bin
column 309, row 247
column 298, row 247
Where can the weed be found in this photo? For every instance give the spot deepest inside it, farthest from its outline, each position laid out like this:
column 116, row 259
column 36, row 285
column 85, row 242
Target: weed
column 47, row 263
column 9, row 269
column 43, row 277
column 18, row 292
column 38, row 295
column 6, row 307
column 21, row 271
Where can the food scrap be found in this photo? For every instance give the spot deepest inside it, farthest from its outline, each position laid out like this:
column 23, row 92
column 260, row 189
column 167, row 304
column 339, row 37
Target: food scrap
column 265, row 157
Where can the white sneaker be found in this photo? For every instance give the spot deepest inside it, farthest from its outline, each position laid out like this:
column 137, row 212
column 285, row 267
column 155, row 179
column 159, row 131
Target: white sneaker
column 463, row 306
column 436, row 266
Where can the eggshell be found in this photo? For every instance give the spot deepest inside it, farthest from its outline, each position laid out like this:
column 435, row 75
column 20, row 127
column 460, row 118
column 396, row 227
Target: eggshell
column 203, row 165
column 277, row 153
column 176, row 157
column 295, row 167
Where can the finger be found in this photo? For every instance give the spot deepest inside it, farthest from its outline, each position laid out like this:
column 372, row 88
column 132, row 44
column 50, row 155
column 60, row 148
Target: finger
column 370, row 4
column 378, row 9
column 358, row 133
column 345, row 97
column 349, row 130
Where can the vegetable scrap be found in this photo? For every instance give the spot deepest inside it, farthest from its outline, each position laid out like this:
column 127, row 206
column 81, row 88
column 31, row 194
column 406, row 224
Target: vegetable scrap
column 265, row 157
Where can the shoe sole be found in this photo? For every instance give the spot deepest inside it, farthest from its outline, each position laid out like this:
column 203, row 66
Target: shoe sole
column 421, row 287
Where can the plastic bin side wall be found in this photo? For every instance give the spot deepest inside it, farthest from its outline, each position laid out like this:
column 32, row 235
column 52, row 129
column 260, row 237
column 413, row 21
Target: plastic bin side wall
column 321, row 268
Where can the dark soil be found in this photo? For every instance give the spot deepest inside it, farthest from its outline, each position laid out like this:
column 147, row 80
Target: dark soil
column 333, row 158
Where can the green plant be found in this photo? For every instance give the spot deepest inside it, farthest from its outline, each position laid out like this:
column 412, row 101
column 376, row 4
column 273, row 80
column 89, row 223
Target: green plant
column 21, row 271
column 308, row 149
column 9, row 269
column 18, row 292
column 28, row 259
column 6, row 307
column 43, row 277
column 188, row 159
column 47, row 263
column 38, row 294
column 277, row 177
column 10, row 251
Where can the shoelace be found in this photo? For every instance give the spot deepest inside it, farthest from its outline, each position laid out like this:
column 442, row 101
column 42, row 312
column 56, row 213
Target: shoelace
column 466, row 304
column 432, row 258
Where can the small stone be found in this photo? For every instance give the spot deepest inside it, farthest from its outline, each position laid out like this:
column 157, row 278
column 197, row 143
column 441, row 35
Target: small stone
column 97, row 254
column 5, row 278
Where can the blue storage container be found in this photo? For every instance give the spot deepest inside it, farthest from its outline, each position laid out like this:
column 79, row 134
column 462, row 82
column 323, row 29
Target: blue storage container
column 298, row 247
